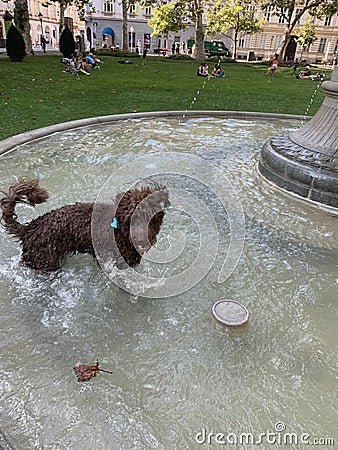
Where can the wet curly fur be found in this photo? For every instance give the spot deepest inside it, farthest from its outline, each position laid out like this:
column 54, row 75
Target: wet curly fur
column 70, row 229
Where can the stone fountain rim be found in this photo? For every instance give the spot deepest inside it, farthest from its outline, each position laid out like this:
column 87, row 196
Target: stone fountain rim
column 15, row 141
column 29, row 136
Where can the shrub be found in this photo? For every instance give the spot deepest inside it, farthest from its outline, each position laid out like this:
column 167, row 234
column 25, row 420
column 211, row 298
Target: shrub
column 216, row 59
column 117, row 53
column 15, row 45
column 181, row 57
column 67, row 43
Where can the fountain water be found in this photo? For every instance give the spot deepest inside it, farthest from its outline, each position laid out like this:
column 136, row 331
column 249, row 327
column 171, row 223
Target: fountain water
column 178, row 379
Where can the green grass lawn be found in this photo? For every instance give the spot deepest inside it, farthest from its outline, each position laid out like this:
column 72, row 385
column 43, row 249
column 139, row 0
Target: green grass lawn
column 37, row 93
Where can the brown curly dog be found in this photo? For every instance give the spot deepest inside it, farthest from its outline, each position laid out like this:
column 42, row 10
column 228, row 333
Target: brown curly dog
column 124, row 229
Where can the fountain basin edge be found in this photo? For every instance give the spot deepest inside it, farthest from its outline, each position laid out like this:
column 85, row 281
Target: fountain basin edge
column 23, row 138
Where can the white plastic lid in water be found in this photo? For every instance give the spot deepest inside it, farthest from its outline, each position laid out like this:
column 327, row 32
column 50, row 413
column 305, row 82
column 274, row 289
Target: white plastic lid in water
column 230, row 313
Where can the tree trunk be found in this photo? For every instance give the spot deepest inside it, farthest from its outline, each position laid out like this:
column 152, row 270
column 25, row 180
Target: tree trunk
column 199, row 52
column 281, row 50
column 234, row 56
column 62, row 19
column 125, row 40
column 21, row 20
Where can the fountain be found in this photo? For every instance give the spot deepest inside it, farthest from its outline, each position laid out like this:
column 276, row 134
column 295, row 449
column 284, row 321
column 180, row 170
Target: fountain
column 178, row 380
column 305, row 161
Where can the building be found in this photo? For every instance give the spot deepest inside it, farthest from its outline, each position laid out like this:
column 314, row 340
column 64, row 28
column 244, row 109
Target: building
column 44, row 21
column 264, row 45
column 102, row 27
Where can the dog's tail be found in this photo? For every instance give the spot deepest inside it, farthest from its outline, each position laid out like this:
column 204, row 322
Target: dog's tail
column 23, row 192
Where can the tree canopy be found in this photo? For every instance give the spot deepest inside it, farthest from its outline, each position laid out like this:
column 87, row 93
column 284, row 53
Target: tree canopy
column 177, row 15
column 239, row 16
column 167, row 17
column 307, row 34
column 291, row 11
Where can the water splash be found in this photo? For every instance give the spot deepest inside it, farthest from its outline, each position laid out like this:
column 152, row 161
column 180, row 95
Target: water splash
column 195, row 98
column 313, row 96
column 198, row 93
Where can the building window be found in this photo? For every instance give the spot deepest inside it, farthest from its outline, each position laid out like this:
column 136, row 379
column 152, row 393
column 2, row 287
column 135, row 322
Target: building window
column 108, row 7
column 327, row 21
column 322, row 44
column 278, row 42
column 284, row 13
column 132, row 10
column 68, row 21
column 262, row 41
column 271, row 42
column 147, row 11
column 244, row 42
column 241, row 42
column 336, row 48
column 268, row 13
column 298, row 11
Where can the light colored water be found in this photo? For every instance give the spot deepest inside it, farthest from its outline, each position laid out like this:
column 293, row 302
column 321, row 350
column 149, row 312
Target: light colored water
column 176, row 372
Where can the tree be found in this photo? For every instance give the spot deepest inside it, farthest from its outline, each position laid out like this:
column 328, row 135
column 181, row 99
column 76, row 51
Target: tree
column 126, row 4
column 307, row 35
column 64, row 4
column 167, row 17
column 21, row 17
column 125, row 40
column 67, row 43
column 236, row 15
column 197, row 17
column 15, row 45
column 176, row 16
column 21, row 20
column 291, row 11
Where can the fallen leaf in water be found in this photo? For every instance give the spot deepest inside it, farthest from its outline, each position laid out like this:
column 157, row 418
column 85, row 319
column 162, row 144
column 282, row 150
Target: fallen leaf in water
column 86, row 373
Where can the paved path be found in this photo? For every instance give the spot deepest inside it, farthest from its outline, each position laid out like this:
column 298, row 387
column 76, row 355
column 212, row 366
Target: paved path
column 38, row 52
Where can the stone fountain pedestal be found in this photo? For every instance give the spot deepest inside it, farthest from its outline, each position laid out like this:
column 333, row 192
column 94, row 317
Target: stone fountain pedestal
column 305, row 161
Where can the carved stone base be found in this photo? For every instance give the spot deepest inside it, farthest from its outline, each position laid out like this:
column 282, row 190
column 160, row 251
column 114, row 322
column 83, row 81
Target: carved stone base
column 299, row 173
column 305, row 161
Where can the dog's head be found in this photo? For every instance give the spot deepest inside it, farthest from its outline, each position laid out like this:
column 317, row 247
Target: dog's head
column 139, row 216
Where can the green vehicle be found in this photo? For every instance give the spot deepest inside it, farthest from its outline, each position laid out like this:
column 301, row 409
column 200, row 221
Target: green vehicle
column 212, row 48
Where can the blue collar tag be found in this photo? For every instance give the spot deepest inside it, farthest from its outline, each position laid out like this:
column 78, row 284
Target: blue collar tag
column 114, row 223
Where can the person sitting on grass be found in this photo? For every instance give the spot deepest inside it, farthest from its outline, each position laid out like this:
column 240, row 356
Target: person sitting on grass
column 305, row 73
column 217, row 72
column 315, row 77
column 203, row 70
column 93, row 55
column 91, row 61
column 77, row 65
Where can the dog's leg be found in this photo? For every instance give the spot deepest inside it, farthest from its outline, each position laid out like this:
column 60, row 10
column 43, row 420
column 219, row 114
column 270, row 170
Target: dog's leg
column 45, row 260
